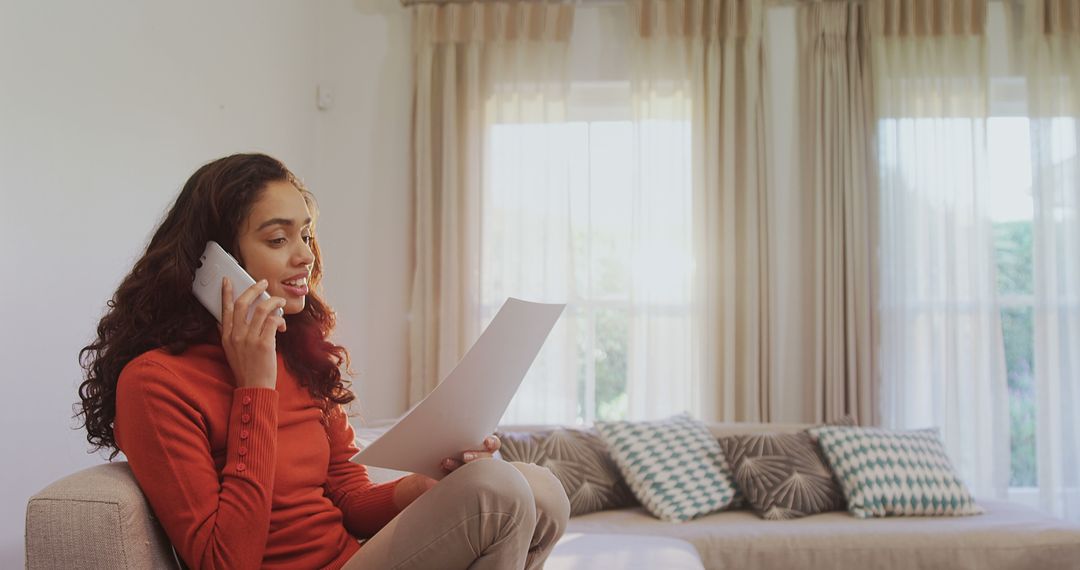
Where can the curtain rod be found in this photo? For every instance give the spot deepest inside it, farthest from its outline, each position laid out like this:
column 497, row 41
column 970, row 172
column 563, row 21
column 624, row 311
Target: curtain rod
column 608, row 2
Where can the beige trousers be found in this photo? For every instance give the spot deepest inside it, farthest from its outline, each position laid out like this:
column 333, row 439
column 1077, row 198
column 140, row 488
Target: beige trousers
column 486, row 515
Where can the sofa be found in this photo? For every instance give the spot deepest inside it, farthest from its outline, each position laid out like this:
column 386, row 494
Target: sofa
column 1007, row 536
column 97, row 518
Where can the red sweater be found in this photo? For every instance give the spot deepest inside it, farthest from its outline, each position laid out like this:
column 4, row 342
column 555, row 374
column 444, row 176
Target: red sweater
column 244, row 477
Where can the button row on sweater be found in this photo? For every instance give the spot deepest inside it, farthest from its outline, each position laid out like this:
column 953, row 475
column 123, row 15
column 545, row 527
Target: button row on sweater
column 244, row 433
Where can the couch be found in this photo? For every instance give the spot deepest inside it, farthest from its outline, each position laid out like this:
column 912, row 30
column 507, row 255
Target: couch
column 98, row 518
column 1007, row 536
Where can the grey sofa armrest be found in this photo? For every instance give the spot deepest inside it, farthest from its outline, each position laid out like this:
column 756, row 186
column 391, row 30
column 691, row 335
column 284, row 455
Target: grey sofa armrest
column 95, row 518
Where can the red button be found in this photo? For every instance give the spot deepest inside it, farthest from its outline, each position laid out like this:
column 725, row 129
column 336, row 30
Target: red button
column 240, row 466
column 247, row 400
column 244, row 434
column 242, row 450
column 246, row 418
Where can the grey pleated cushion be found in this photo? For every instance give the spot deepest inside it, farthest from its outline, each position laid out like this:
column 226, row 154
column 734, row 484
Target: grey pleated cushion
column 579, row 459
column 784, row 475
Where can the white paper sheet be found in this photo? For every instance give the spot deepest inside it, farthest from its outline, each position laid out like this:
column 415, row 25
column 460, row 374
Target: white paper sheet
column 467, row 405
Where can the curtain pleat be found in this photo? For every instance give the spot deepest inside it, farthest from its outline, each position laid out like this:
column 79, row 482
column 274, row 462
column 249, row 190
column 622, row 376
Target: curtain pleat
column 838, row 208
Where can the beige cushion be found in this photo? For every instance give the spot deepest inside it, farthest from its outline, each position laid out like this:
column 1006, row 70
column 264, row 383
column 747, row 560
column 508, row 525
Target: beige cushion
column 95, row 518
column 1008, row 536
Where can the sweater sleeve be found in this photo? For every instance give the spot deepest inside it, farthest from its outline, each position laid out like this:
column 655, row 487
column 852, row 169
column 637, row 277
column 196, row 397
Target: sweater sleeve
column 366, row 506
column 213, row 521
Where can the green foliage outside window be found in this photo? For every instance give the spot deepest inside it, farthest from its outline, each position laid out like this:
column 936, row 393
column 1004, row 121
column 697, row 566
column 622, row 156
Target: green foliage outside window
column 1013, row 245
column 610, row 361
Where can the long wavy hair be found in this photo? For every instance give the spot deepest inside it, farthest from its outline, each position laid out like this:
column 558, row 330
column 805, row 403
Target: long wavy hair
column 154, row 307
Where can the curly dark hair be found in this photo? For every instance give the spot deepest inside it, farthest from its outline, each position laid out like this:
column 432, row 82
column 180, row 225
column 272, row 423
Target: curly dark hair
column 154, row 308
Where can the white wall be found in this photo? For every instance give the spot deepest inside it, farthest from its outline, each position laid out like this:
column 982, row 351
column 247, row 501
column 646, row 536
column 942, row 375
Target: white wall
column 361, row 179
column 107, row 107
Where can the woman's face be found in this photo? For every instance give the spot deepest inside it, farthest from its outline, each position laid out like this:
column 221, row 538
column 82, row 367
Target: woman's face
column 273, row 244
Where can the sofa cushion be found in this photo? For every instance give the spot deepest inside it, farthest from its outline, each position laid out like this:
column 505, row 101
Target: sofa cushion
column 674, row 466
column 575, row 551
column 579, row 459
column 1007, row 537
column 894, row 472
column 782, row 475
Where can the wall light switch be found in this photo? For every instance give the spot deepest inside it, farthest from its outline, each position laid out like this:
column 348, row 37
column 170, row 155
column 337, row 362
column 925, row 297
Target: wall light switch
column 324, row 98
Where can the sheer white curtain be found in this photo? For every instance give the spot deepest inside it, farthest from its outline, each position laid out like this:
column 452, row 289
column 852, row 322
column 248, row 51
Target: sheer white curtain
column 649, row 224
column 471, row 60
column 942, row 356
column 590, row 204
column 1051, row 36
column 702, row 63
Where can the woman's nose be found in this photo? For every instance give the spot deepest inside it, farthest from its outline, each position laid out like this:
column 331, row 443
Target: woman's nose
column 305, row 256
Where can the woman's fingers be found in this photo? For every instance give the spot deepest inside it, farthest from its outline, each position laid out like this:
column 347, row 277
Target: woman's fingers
column 263, row 323
column 272, row 325
column 449, row 464
column 244, row 301
column 491, row 445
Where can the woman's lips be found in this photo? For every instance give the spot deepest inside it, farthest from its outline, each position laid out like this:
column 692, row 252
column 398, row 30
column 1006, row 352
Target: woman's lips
column 295, row 291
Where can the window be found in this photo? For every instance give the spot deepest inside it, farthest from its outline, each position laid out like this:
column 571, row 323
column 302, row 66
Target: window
column 563, row 221
column 1012, row 212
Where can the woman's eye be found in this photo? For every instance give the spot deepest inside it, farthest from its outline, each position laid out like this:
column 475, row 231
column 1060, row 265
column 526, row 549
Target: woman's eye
column 278, row 241
column 307, row 239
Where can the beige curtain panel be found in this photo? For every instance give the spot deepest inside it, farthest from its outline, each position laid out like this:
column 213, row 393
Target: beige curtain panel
column 839, row 210
column 463, row 52
column 704, row 60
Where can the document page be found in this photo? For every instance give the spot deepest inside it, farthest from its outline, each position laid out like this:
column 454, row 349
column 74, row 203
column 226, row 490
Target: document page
column 467, row 405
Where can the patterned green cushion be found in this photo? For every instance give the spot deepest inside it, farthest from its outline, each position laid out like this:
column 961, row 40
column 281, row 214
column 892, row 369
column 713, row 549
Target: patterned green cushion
column 891, row 472
column 579, row 459
column 674, row 466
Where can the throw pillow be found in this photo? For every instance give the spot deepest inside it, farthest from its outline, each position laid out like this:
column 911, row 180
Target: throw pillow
column 579, row 460
column 674, row 466
column 892, row 472
column 782, row 475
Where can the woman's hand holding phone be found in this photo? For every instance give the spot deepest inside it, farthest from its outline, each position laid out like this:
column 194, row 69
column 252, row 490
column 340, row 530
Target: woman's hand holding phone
column 251, row 346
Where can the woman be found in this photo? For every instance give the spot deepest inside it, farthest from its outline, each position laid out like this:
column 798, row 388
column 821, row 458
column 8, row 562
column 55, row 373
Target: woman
column 236, row 432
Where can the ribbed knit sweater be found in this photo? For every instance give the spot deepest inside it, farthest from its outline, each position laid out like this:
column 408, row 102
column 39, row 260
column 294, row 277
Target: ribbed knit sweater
column 244, row 477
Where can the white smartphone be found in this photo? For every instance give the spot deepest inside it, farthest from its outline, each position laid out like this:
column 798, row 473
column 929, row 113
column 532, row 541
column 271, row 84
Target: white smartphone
column 214, row 265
